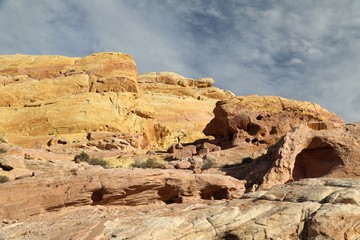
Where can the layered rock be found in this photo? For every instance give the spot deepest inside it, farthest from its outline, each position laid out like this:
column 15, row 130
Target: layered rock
column 58, row 96
column 305, row 153
column 56, row 189
column 178, row 85
column 310, row 209
column 261, row 121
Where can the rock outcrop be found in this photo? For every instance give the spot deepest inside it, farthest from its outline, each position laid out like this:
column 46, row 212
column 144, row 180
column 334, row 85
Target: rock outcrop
column 261, row 121
column 305, row 153
column 42, row 97
column 308, row 209
column 89, row 185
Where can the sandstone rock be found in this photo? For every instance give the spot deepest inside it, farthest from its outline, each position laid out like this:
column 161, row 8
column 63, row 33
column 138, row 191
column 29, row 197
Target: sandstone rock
column 111, row 187
column 255, row 120
column 306, row 153
column 38, row 88
column 181, row 164
column 298, row 211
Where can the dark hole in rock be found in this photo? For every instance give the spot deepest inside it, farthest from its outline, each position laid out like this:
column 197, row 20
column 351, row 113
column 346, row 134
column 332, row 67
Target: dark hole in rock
column 255, row 140
column 317, row 160
column 262, row 142
column 169, row 195
column 214, row 192
column 6, row 167
column 97, row 196
column 273, row 131
column 247, row 140
column 62, row 142
column 253, row 128
column 230, row 236
column 259, row 117
column 263, row 134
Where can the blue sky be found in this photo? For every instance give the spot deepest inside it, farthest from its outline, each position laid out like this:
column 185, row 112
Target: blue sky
column 306, row 50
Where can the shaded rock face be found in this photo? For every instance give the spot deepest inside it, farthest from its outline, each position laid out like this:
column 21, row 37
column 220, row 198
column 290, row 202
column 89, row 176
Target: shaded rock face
column 305, row 153
column 261, row 121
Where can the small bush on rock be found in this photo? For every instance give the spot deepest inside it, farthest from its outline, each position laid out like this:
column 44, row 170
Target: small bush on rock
column 3, row 179
column 82, row 157
column 2, row 150
column 98, row 161
column 208, row 164
column 150, row 163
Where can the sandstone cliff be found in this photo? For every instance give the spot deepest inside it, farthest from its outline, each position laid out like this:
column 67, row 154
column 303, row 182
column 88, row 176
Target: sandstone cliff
column 46, row 96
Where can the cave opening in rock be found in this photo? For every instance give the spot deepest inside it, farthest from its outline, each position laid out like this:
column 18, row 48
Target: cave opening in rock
column 169, row 195
column 253, row 129
column 214, row 192
column 97, row 196
column 317, row 160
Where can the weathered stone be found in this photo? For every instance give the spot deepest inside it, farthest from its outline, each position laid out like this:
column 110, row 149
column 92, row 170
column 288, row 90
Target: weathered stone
column 262, row 121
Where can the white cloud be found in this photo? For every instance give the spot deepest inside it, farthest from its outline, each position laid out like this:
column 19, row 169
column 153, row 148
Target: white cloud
column 305, row 50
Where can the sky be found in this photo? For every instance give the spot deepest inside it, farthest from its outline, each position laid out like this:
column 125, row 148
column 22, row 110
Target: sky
column 305, row 50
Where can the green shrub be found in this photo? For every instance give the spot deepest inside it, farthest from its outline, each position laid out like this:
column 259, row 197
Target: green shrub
column 208, row 164
column 3, row 179
column 150, row 163
column 98, row 161
column 83, row 157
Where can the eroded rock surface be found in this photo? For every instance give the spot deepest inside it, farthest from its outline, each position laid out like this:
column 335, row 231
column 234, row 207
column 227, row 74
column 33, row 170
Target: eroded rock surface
column 88, row 185
column 262, row 120
column 305, row 153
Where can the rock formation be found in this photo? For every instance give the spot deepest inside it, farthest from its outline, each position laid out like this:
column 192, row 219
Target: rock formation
column 101, row 92
column 257, row 120
column 88, row 185
column 305, row 153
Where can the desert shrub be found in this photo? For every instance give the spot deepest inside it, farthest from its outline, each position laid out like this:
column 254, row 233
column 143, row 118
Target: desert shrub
column 2, row 139
column 208, row 164
column 83, row 157
column 150, row 163
column 3, row 179
column 98, row 161
column 3, row 150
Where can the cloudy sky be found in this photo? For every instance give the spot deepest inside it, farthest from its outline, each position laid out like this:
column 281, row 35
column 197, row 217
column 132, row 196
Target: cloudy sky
column 306, row 50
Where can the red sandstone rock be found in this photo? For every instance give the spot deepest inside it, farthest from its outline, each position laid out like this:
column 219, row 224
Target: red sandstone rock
column 96, row 186
column 305, row 153
column 261, row 121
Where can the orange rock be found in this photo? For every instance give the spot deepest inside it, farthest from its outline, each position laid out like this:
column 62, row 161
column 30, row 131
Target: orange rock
column 261, row 121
